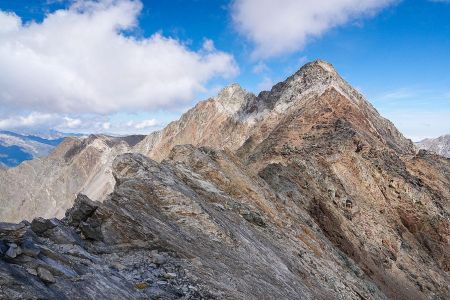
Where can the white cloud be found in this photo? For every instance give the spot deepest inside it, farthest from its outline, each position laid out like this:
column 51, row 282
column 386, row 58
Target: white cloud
column 31, row 120
column 145, row 124
column 71, row 123
column 284, row 26
column 79, row 60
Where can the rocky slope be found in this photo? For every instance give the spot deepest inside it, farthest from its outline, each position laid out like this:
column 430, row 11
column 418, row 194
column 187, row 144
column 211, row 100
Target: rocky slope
column 47, row 186
column 440, row 145
column 304, row 192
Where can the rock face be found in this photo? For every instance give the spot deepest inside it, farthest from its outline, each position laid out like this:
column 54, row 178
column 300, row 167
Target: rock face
column 440, row 145
column 46, row 187
column 310, row 195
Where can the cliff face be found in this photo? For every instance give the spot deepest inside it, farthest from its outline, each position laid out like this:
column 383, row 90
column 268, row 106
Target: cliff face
column 303, row 192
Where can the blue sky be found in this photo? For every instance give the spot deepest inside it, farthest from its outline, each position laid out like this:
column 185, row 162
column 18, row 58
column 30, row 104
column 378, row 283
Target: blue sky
column 397, row 53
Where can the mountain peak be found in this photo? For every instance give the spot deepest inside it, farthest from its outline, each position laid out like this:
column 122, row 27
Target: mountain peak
column 324, row 65
column 232, row 98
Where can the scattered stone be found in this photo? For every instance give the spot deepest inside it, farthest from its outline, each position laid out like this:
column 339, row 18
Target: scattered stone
column 32, row 271
column 45, row 275
column 170, row 275
column 13, row 251
column 118, row 266
column 159, row 259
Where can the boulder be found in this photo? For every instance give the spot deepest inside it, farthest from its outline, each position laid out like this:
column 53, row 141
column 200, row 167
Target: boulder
column 159, row 259
column 45, row 275
column 82, row 209
column 13, row 251
column 41, row 225
column 91, row 232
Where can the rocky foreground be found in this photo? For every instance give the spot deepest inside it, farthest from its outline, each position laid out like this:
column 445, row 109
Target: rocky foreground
column 310, row 195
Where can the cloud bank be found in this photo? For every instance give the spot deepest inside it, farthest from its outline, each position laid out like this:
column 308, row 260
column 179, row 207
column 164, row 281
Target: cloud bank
column 284, row 26
column 86, row 59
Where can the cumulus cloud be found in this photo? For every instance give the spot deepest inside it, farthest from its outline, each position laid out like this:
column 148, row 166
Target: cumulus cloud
column 86, row 59
column 284, row 26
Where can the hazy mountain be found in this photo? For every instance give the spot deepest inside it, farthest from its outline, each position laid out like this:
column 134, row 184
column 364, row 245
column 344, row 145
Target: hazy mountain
column 301, row 192
column 440, row 145
column 16, row 148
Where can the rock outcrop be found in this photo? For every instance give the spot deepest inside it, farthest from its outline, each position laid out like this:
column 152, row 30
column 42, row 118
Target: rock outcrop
column 46, row 187
column 301, row 192
column 440, row 145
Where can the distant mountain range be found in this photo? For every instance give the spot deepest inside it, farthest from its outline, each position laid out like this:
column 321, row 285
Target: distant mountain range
column 18, row 147
column 440, row 145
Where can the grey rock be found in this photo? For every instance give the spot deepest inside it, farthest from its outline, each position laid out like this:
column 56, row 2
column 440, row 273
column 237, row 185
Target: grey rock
column 83, row 208
column 91, row 232
column 40, row 225
column 13, row 251
column 170, row 275
column 29, row 248
column 45, row 275
column 159, row 259
column 3, row 247
column 32, row 271
column 253, row 218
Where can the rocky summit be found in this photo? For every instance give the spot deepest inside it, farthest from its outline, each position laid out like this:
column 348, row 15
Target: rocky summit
column 301, row 192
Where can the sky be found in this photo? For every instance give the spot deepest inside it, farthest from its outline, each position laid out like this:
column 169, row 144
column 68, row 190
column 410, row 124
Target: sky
column 129, row 66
